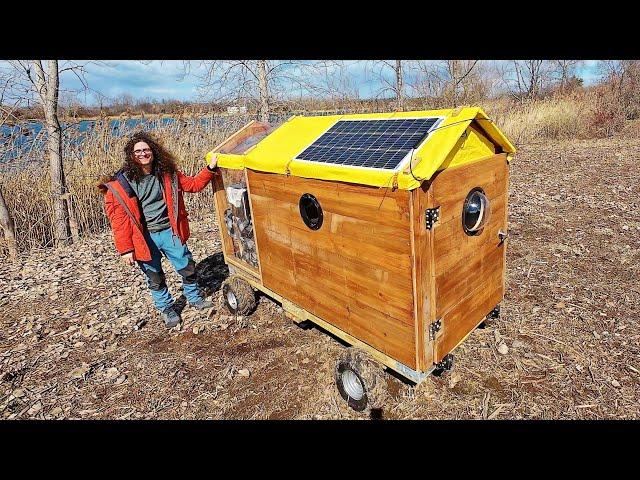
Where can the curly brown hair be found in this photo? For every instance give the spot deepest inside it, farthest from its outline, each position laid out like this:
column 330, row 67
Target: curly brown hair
column 163, row 159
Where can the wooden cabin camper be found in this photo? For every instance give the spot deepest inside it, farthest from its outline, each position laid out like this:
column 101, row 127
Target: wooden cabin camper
column 387, row 230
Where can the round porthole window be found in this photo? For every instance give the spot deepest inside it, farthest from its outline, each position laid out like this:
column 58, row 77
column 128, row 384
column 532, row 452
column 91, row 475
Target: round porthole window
column 475, row 212
column 311, row 211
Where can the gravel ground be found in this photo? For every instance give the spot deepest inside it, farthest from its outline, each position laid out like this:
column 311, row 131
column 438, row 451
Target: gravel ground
column 80, row 338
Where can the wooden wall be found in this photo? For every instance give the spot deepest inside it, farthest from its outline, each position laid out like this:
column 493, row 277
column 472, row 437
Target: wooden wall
column 468, row 270
column 355, row 272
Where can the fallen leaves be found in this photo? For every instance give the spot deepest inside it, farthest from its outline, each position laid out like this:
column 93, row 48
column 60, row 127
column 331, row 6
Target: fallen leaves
column 80, row 372
column 18, row 393
column 35, row 408
column 454, row 379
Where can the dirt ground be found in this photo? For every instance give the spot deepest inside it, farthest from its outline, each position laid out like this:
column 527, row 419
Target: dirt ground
column 73, row 343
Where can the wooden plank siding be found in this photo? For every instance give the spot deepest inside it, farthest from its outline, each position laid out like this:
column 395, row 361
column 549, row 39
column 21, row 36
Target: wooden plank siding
column 355, row 272
column 423, row 266
column 469, row 270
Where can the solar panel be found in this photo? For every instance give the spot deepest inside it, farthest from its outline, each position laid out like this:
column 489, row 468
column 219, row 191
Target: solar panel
column 381, row 144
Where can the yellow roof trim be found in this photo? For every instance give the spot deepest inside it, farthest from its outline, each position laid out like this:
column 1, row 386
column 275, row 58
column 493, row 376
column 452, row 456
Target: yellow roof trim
column 276, row 153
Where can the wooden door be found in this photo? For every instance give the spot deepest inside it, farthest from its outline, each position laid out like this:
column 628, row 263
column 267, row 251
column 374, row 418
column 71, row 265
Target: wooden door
column 468, row 269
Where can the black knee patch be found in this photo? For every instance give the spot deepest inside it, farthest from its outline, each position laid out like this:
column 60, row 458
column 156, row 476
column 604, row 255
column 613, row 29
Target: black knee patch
column 156, row 280
column 189, row 273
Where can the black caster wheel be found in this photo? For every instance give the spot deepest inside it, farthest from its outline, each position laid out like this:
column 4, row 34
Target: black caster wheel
column 445, row 365
column 239, row 297
column 492, row 315
column 305, row 324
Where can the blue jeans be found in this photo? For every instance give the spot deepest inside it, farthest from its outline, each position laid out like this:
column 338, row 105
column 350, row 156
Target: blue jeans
column 167, row 244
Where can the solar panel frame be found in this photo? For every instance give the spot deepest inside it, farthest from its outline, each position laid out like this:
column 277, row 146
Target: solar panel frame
column 401, row 164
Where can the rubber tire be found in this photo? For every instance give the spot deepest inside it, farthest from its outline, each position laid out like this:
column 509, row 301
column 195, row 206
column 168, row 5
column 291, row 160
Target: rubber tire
column 370, row 374
column 244, row 293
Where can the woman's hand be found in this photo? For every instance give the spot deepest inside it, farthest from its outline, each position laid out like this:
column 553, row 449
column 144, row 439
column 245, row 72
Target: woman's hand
column 127, row 258
column 212, row 160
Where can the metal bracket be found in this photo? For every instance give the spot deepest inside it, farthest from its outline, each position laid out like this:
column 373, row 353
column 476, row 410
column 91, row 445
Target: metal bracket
column 434, row 328
column 431, row 216
column 446, row 363
column 411, row 374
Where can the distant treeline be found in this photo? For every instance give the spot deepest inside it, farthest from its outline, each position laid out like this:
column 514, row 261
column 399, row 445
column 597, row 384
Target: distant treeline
column 177, row 108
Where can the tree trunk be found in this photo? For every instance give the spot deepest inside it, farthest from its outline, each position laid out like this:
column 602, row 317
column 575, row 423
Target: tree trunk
column 564, row 69
column 48, row 87
column 263, row 87
column 73, row 221
column 399, row 86
column 453, row 73
column 8, row 227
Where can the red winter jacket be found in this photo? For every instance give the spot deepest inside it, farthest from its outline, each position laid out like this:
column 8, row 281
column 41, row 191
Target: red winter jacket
column 125, row 215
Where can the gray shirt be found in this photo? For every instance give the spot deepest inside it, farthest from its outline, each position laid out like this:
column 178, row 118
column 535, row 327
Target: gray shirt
column 154, row 208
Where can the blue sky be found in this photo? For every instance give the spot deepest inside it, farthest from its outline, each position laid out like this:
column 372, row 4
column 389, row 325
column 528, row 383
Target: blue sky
column 167, row 79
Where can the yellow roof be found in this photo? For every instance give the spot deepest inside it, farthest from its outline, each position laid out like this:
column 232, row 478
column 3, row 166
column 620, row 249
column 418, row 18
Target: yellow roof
column 277, row 152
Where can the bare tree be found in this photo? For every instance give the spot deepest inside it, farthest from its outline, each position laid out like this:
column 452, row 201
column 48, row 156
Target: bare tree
column 527, row 79
column 262, row 81
column 623, row 78
column 528, row 76
column 8, row 227
column 620, row 73
column 263, row 89
column 565, row 70
column 391, row 75
column 399, row 86
column 44, row 82
column 458, row 71
column 7, row 81
column 452, row 82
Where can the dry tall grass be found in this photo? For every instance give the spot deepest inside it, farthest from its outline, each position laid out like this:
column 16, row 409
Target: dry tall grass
column 551, row 118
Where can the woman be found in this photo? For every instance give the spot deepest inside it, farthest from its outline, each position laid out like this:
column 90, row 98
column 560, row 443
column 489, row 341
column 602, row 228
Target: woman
column 146, row 210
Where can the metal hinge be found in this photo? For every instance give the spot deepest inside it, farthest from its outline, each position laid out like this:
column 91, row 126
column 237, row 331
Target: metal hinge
column 434, row 328
column 431, row 216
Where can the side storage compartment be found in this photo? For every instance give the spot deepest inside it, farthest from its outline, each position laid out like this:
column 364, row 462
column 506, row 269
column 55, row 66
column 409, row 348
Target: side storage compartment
column 233, row 204
column 237, row 217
